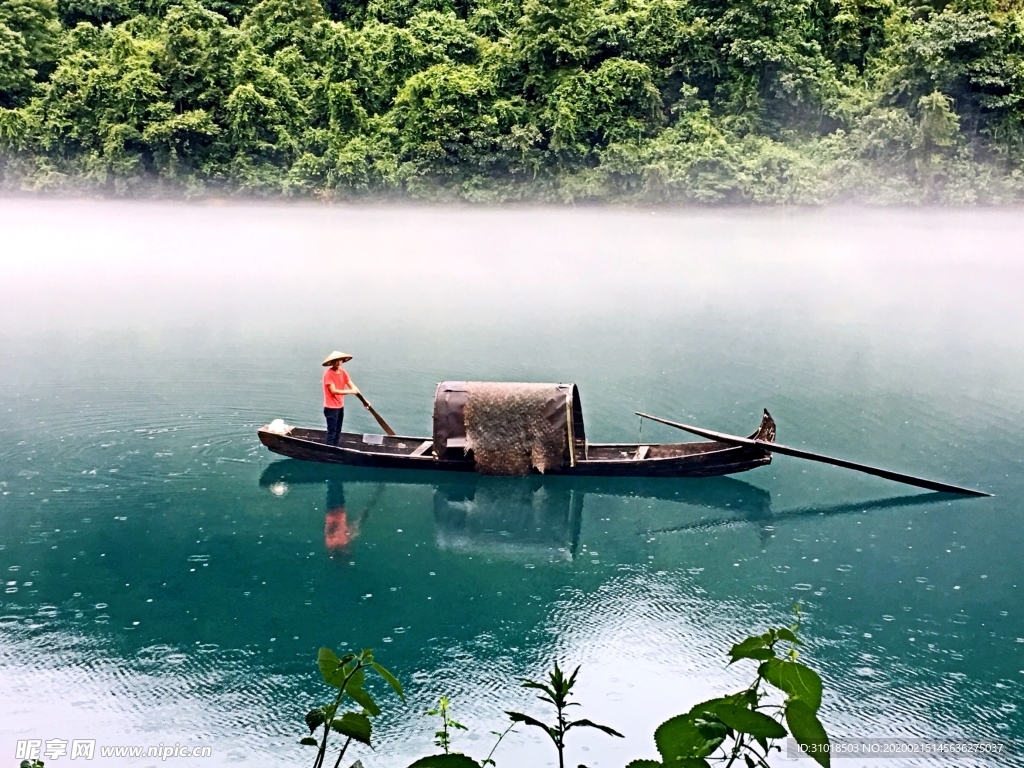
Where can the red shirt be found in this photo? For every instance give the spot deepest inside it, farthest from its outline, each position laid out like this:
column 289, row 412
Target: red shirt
column 340, row 380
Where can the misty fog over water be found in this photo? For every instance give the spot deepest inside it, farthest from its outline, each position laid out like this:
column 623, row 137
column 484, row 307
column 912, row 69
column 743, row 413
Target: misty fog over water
column 169, row 580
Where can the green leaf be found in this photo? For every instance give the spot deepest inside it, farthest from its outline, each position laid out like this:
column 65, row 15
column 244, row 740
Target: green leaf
column 684, row 736
column 391, row 679
column 795, row 679
column 786, row 634
column 808, row 732
column 519, row 717
column 758, row 654
column 708, row 707
column 309, row 741
column 751, row 648
column 354, row 725
column 552, row 694
column 645, row 764
column 361, row 697
column 747, row 698
column 591, row 724
column 330, row 667
column 446, row 761
column 757, row 724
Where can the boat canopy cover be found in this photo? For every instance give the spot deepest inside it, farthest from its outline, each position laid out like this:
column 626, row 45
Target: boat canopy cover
column 511, row 428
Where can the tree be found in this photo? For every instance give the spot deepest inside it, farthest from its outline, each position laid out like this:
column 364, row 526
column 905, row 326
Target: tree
column 29, row 32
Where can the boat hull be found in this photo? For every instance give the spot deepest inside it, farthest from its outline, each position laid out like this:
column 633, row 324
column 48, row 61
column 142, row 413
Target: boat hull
column 599, row 460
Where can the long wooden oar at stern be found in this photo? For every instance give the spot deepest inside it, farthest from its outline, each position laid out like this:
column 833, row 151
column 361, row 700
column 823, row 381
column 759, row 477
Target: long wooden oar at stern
column 377, row 416
column 801, row 454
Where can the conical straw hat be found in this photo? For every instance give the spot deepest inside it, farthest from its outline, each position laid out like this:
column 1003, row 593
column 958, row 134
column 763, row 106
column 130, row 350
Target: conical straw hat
column 336, row 355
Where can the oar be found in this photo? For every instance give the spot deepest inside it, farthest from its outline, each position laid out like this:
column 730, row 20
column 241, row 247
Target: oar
column 377, row 416
column 800, row 454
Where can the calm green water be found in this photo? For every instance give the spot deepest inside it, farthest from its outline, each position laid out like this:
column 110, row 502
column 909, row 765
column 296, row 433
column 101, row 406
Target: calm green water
column 168, row 580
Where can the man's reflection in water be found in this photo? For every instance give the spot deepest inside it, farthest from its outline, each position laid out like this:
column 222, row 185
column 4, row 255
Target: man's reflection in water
column 341, row 528
column 338, row 531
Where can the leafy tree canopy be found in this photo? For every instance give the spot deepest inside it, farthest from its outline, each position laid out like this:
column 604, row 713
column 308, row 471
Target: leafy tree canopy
column 706, row 101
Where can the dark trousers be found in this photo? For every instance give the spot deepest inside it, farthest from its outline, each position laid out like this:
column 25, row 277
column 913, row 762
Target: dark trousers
column 334, row 418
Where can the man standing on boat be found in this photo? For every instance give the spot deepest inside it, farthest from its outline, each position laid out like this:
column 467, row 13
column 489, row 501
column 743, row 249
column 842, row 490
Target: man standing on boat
column 337, row 384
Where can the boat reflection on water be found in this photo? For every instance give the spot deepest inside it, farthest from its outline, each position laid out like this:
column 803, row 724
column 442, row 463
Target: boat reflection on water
column 510, row 517
column 526, row 517
column 766, row 525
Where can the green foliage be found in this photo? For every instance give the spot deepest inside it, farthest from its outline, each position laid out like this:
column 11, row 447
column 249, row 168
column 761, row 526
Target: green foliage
column 688, row 737
column 347, row 674
column 808, row 731
column 445, row 761
column 442, row 738
column 29, row 35
column 355, row 725
column 798, row 681
column 556, row 692
column 720, row 731
column 745, row 724
column 702, row 101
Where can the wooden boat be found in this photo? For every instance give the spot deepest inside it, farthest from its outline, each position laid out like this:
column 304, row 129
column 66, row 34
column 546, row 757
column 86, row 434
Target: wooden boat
column 451, row 450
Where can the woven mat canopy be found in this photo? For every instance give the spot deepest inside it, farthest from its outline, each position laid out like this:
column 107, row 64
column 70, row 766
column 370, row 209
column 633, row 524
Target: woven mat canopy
column 511, row 428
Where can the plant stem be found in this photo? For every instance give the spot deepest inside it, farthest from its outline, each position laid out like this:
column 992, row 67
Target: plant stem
column 327, row 724
column 342, row 753
column 500, row 737
column 444, row 720
column 737, row 747
column 561, row 737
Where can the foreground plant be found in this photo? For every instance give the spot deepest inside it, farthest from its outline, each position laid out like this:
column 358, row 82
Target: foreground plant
column 348, row 675
column 556, row 692
column 442, row 738
column 740, row 730
column 745, row 725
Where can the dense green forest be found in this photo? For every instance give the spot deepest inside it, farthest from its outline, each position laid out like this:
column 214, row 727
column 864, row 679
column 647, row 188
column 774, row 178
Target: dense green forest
column 700, row 101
